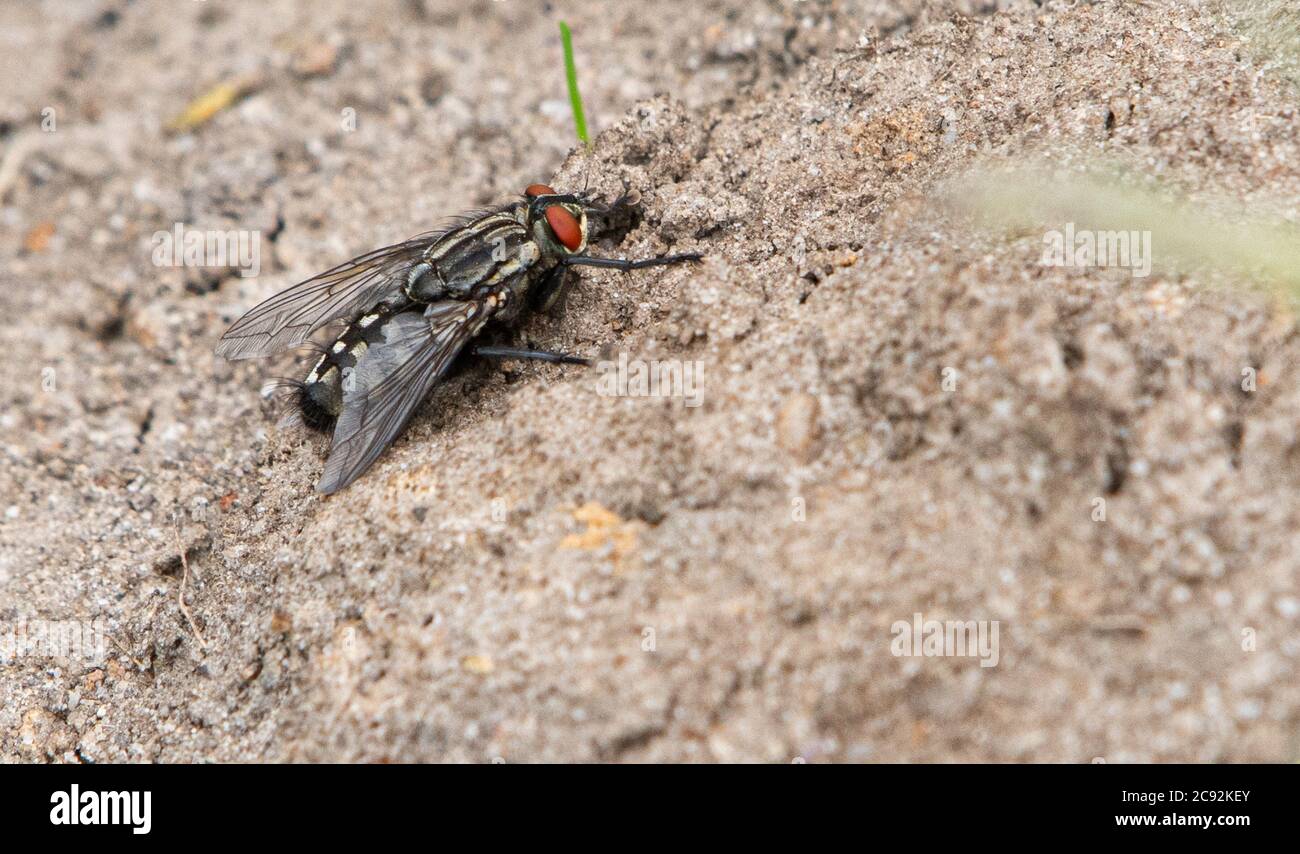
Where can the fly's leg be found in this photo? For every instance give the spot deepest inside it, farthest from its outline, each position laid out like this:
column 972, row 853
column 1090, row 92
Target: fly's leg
column 524, row 353
column 551, row 289
column 630, row 199
column 628, row 266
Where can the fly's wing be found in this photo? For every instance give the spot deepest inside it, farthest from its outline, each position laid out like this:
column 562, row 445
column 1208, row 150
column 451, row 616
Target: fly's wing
column 288, row 318
column 391, row 380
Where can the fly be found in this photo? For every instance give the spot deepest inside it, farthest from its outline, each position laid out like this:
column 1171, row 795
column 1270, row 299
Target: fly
column 410, row 309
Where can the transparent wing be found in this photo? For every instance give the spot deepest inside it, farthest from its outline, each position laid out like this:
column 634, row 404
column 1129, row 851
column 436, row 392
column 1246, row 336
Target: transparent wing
column 288, row 318
column 391, row 380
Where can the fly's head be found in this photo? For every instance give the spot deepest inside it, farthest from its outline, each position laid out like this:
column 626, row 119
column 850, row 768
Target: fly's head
column 557, row 221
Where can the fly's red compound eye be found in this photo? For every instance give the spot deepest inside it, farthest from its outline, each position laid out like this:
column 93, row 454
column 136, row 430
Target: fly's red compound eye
column 535, row 190
column 565, row 227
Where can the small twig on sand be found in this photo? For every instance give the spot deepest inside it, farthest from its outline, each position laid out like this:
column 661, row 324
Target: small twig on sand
column 139, row 665
column 180, row 594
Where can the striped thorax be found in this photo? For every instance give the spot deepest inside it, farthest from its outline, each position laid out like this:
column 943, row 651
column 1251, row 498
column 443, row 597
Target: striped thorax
column 510, row 246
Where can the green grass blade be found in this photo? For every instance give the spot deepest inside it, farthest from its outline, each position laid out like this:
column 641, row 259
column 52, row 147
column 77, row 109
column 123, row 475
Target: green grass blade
column 571, row 72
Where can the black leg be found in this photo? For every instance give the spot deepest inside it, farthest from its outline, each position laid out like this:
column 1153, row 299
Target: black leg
column 522, row 353
column 549, row 292
column 626, row 200
column 628, row 266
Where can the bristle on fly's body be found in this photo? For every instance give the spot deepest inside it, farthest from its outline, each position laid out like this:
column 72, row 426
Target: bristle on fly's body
column 316, row 400
column 296, row 406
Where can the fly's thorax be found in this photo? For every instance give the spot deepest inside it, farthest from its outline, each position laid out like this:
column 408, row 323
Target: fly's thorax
column 513, row 298
column 470, row 260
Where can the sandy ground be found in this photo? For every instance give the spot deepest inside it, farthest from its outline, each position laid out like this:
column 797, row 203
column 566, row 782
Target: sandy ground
column 898, row 414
